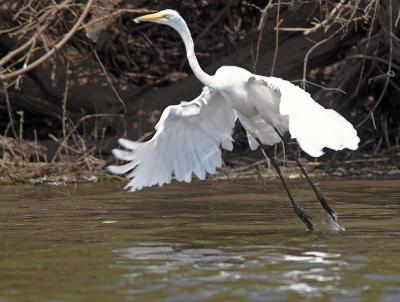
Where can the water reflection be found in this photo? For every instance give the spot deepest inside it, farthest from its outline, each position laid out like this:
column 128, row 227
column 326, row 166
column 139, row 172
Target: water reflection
column 198, row 242
column 262, row 268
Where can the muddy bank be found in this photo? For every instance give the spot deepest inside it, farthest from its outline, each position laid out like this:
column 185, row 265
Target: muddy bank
column 235, row 168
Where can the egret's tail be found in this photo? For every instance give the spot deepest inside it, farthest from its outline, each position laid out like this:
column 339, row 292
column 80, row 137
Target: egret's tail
column 322, row 128
column 314, row 127
column 286, row 105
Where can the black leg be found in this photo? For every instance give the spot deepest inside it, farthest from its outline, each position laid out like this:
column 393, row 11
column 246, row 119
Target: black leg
column 297, row 209
column 316, row 190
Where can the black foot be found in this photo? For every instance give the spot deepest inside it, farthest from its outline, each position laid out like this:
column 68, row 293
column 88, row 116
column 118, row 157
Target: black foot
column 317, row 192
column 304, row 217
column 325, row 205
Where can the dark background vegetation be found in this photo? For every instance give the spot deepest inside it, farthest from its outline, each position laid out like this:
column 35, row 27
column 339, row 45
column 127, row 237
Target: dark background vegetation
column 76, row 75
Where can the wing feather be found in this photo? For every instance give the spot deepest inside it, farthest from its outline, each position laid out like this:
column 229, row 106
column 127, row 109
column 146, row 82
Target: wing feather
column 290, row 108
column 129, row 144
column 188, row 141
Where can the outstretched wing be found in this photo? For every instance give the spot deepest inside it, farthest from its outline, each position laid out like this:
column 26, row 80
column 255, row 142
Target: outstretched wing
column 313, row 126
column 187, row 140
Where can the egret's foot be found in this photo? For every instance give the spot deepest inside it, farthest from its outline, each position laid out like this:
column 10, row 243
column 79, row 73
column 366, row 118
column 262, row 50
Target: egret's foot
column 317, row 192
column 304, row 217
column 333, row 225
column 325, row 205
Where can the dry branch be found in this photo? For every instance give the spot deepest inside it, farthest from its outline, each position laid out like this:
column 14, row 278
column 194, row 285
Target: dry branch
column 4, row 76
column 347, row 51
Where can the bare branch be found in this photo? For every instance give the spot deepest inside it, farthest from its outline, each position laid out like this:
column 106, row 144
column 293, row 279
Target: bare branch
column 56, row 47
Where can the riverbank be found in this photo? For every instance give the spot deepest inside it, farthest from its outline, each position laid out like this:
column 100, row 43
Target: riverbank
column 82, row 169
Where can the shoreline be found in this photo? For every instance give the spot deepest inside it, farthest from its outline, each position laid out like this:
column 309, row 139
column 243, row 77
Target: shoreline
column 237, row 169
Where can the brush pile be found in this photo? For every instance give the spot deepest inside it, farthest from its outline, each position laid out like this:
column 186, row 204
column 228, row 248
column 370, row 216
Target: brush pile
column 77, row 74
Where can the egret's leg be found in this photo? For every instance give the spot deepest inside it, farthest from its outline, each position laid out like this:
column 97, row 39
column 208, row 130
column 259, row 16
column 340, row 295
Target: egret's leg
column 297, row 209
column 316, row 190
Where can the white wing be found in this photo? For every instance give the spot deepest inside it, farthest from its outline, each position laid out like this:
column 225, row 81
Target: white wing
column 288, row 107
column 187, row 140
column 257, row 127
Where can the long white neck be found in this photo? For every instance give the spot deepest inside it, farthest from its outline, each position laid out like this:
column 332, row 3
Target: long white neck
column 184, row 32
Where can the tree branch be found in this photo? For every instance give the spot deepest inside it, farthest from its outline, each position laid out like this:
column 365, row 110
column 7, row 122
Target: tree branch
column 54, row 49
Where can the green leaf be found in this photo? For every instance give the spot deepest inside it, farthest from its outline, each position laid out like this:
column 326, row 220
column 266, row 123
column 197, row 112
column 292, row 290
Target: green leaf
column 109, row 221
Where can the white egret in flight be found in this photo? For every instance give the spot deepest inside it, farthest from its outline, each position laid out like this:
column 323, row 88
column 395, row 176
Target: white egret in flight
column 189, row 136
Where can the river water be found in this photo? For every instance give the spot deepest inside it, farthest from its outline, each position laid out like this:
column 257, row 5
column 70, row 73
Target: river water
column 211, row 241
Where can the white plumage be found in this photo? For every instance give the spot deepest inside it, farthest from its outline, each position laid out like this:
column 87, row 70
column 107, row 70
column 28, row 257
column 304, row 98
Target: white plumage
column 189, row 136
column 187, row 140
column 293, row 110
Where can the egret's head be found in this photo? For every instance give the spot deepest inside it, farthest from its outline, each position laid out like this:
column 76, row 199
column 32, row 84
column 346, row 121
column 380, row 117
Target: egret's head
column 167, row 17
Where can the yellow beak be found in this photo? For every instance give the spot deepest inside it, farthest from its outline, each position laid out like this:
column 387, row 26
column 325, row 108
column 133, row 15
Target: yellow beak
column 150, row 17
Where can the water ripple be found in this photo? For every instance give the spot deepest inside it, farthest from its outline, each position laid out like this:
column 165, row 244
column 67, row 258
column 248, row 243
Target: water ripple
column 308, row 273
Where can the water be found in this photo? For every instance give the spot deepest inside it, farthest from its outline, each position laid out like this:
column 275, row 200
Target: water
column 202, row 242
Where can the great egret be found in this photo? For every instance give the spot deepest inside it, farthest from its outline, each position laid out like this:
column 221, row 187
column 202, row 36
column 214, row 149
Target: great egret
column 189, row 135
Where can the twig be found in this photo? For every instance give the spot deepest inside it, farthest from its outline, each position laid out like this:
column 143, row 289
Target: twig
column 320, row 86
column 216, row 19
column 55, row 48
column 109, row 81
column 316, row 45
column 278, row 21
column 117, row 13
column 367, row 57
column 28, row 56
column 367, row 46
column 64, row 100
column 21, row 10
column 319, row 44
column 389, row 72
column 64, row 145
column 36, row 145
column 9, row 111
column 261, row 25
column 78, row 124
column 16, row 51
column 309, row 30
column 397, row 19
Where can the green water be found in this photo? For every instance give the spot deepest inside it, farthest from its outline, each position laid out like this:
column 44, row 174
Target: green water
column 201, row 242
